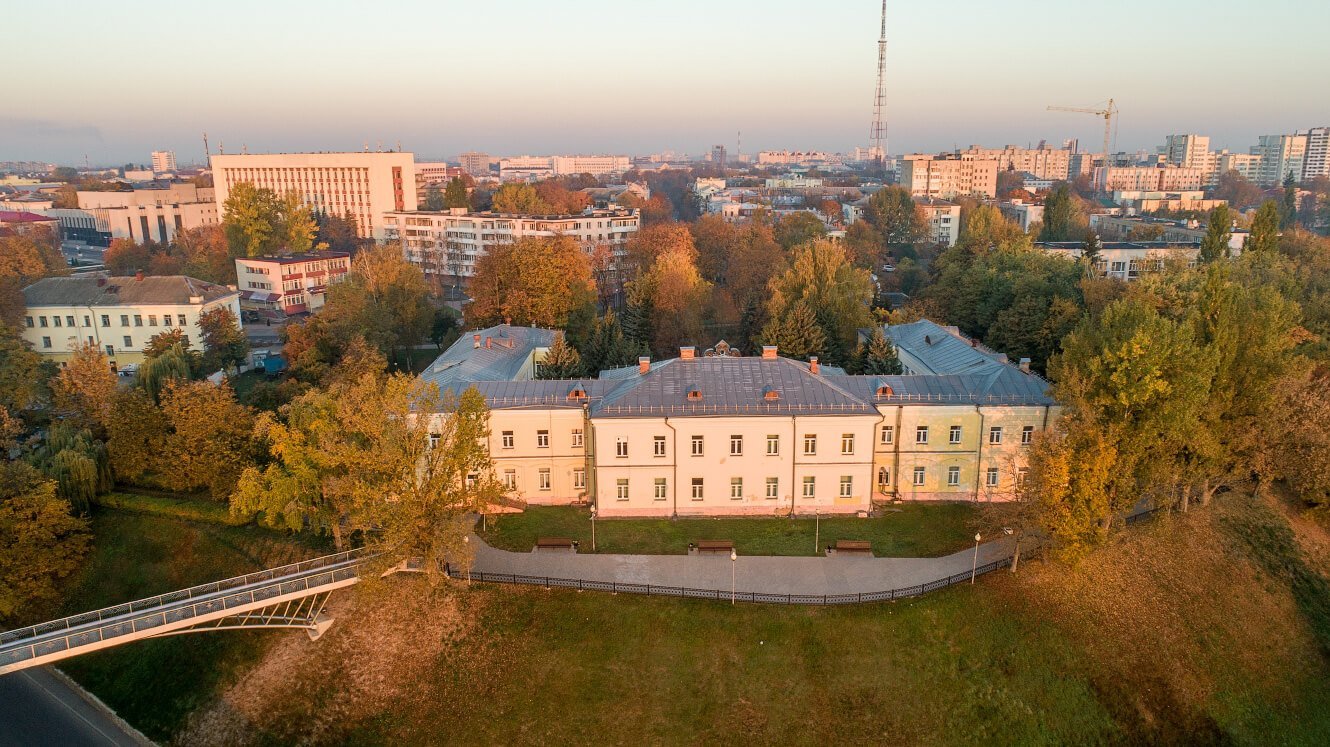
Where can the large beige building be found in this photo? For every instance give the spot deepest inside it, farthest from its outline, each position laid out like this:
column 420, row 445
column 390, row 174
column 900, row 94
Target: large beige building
column 1043, row 162
column 949, row 175
column 713, row 433
column 366, row 185
column 155, row 214
column 1149, row 178
column 943, row 218
column 1248, row 165
column 118, row 314
column 291, row 283
column 447, row 244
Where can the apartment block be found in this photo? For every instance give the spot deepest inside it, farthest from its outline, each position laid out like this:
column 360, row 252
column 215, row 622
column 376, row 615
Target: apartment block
column 943, row 218
column 476, row 164
column 1248, row 165
column 291, row 283
column 364, row 185
column 1282, row 156
column 1166, row 178
column 949, row 175
column 1043, row 162
column 118, row 314
column 163, row 162
column 1317, row 160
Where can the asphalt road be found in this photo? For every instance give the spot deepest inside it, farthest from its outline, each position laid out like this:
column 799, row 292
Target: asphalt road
column 39, row 707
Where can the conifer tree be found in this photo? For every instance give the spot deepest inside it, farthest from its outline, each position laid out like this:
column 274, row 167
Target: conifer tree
column 1264, row 236
column 879, row 355
column 1215, row 243
column 562, row 361
column 797, row 334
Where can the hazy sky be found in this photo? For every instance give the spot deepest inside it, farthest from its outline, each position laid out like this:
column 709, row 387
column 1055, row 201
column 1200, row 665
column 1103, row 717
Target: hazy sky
column 116, row 80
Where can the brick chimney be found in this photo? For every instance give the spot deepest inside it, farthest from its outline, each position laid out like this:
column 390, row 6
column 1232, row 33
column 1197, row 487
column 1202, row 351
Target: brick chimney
column 687, row 353
column 475, row 340
column 769, row 352
column 489, row 343
column 813, row 367
column 643, row 365
column 138, row 274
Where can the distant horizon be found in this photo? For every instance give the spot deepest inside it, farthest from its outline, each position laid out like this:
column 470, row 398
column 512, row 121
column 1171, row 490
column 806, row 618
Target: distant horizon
column 592, row 76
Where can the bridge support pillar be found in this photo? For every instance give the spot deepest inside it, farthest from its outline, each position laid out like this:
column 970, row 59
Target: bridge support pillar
column 322, row 622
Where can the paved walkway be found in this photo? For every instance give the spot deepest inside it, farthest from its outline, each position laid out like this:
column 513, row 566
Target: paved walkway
column 765, row 574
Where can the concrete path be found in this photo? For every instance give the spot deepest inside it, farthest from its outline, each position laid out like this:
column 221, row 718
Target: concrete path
column 41, row 706
column 846, row 574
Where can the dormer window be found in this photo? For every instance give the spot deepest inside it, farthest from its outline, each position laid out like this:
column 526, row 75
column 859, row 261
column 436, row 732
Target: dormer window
column 770, row 394
column 694, row 394
column 577, row 394
column 884, row 391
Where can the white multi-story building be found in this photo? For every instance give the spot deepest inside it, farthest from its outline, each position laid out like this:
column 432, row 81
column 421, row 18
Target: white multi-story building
column 593, row 165
column 1128, row 260
column 1022, row 213
column 292, row 283
column 163, row 162
column 714, row 433
column 1133, row 228
column 793, row 158
column 145, row 214
column 949, row 175
column 118, row 314
column 1148, row 178
column 943, row 218
column 447, row 244
column 1317, row 160
column 1043, row 162
column 1248, row 165
column 525, row 168
column 476, row 164
column 364, row 185
column 1282, row 156
column 1190, row 151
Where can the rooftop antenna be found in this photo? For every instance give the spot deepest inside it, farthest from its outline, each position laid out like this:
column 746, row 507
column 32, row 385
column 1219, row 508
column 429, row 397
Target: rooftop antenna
column 399, row 146
column 878, row 133
column 206, row 153
column 366, row 146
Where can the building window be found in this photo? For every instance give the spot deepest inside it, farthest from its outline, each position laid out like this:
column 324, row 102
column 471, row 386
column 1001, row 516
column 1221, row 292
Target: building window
column 87, row 320
column 955, row 436
column 1027, row 435
column 471, row 479
column 621, row 488
column 507, row 439
column 542, row 439
column 953, row 476
column 577, row 438
column 621, row 447
column 921, row 434
column 69, row 320
column 773, row 445
column 544, row 478
column 579, row 479
column 697, row 488
column 736, row 445
column 736, row 488
column 510, row 479
column 180, row 319
column 888, row 435
column 697, row 446
column 129, row 343
column 846, row 486
column 46, row 342
column 110, row 350
column 152, row 320
column 847, row 443
column 919, row 473
column 773, row 487
column 42, row 320
column 138, row 320
column 55, row 321
column 434, row 440
column 658, row 446
column 995, row 434
column 1021, row 474
column 810, row 444
column 106, row 320
column 124, row 320
column 883, row 476
column 810, row 487
column 991, row 477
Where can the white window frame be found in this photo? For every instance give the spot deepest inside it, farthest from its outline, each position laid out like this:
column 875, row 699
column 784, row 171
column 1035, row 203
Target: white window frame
column 736, row 488
column 810, row 486
column 658, row 446
column 542, row 439
column 995, row 435
column 510, row 479
column 888, row 436
column 546, row 481
column 579, row 479
column 773, row 487
column 507, row 437
column 773, row 445
column 660, row 489
column 955, row 435
column 736, row 445
column 698, row 489
column 1027, row 435
column 577, row 438
column 810, row 444
column 846, row 444
column 920, row 476
column 884, row 476
column 698, row 447
column 953, row 476
column 991, row 477
column 621, row 447
column 621, row 489
column 847, row 486
column 921, row 434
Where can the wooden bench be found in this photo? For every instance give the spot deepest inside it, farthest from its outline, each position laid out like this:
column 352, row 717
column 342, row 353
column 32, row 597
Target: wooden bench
column 725, row 546
column 851, row 546
column 555, row 543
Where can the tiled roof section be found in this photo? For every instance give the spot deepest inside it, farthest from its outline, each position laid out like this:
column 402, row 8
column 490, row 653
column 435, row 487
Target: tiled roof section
column 729, row 386
column 501, row 360
column 122, row 291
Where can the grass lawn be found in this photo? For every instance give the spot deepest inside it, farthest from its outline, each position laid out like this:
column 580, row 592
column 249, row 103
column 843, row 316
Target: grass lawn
column 155, row 683
column 245, row 382
column 910, row 530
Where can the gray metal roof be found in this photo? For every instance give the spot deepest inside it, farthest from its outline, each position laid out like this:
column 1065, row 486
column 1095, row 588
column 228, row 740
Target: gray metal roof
column 929, row 348
column 498, row 356
column 122, row 291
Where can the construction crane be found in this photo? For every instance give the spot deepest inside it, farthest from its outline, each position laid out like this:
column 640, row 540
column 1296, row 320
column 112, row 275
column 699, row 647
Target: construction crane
column 878, row 134
column 1108, row 113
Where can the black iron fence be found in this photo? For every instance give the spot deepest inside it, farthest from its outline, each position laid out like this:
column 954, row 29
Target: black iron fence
column 616, row 587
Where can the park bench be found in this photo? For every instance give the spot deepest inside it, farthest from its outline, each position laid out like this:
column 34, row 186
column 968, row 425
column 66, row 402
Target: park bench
column 555, row 543
column 854, row 546
column 725, row 546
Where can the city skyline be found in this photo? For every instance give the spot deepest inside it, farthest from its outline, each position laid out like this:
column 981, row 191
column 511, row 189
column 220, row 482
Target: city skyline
column 598, row 77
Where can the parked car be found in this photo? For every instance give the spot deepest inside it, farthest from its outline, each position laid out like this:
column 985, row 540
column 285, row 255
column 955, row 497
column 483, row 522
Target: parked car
column 129, row 369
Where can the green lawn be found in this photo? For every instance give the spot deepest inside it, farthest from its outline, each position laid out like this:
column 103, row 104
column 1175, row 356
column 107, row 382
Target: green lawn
column 910, row 530
column 155, row 683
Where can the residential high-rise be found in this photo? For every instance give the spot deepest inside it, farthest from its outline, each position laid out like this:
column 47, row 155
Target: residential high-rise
column 718, row 156
column 1317, row 161
column 364, row 185
column 1248, row 165
column 163, row 162
column 1282, row 156
column 475, row 164
column 949, row 175
column 1042, row 162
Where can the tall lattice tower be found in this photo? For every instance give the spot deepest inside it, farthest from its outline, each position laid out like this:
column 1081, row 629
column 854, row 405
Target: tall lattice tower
column 879, row 131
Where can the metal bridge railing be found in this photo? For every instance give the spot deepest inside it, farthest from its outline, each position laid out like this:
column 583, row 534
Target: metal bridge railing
column 193, row 592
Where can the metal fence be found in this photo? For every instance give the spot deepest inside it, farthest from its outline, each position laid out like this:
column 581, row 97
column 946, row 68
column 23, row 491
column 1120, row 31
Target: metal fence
column 725, row 594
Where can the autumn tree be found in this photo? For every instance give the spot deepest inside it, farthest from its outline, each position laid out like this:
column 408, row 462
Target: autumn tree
column 383, row 298
column 985, row 227
column 252, row 220
column 224, row 343
column 892, row 212
column 83, row 390
column 1236, row 190
column 209, row 443
column 136, row 437
column 455, row 196
column 798, row 228
column 519, row 199
column 297, row 224
column 125, row 257
column 206, row 254
column 673, row 288
column 562, row 361
column 24, row 261
column 176, row 363
column 560, row 199
column 821, row 276
column 534, row 281
column 24, row 374
column 41, row 542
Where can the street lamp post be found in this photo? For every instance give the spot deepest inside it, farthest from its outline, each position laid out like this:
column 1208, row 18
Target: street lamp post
column 734, row 558
column 817, row 530
column 974, row 567
column 467, row 539
column 593, row 529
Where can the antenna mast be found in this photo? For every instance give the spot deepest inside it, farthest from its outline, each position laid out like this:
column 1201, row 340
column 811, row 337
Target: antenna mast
column 879, row 130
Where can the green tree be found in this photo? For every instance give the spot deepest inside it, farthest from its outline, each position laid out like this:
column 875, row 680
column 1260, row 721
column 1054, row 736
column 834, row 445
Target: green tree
column 40, row 542
column 455, row 196
column 1264, row 237
column 519, row 199
column 1217, row 233
column 795, row 332
column 176, row 363
column 77, row 462
column 822, row 278
column 878, row 355
column 209, row 443
column 1061, row 218
column 338, row 233
column 799, row 228
column 985, row 227
column 252, row 220
column 673, row 288
column 534, row 281
column 433, row 199
column 24, row 373
column 894, row 214
column 136, row 438
column 297, row 224
column 606, row 347
column 562, row 361
column 224, row 343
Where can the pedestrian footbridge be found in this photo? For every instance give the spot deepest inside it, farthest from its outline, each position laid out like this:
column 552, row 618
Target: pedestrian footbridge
column 290, row 596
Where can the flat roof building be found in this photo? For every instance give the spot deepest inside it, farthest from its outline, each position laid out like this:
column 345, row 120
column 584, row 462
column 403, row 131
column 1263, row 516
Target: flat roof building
column 949, row 175
column 291, row 283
